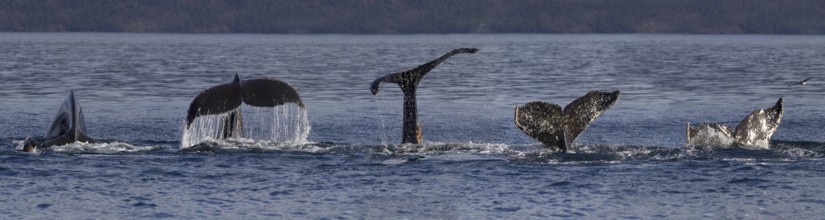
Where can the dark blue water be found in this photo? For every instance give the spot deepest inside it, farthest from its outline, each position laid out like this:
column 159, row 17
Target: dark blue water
column 630, row 163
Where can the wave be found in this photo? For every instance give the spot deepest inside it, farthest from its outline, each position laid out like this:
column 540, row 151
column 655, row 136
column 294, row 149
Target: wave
column 107, row 147
column 104, row 148
column 530, row 153
column 241, row 145
column 533, row 153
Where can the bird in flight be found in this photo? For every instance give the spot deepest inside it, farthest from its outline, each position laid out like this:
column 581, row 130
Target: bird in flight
column 802, row 83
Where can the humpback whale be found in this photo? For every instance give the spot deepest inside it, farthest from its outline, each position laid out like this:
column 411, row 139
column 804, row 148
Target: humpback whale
column 68, row 126
column 223, row 98
column 558, row 128
column 408, row 81
column 753, row 132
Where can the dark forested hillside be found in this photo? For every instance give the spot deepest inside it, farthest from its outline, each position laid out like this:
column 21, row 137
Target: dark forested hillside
column 416, row 16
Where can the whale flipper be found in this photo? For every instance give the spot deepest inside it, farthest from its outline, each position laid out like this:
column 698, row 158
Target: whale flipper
column 408, row 81
column 68, row 126
column 226, row 98
column 756, row 130
column 753, row 132
column 554, row 127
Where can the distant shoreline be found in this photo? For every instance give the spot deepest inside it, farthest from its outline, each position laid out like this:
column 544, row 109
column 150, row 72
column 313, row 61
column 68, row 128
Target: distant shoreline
column 406, row 34
column 788, row 17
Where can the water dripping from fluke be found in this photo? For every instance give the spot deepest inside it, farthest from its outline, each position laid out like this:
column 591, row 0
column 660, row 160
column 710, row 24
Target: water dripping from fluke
column 282, row 124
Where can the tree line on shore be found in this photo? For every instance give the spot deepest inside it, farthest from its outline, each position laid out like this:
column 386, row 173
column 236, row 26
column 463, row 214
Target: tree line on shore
column 416, row 16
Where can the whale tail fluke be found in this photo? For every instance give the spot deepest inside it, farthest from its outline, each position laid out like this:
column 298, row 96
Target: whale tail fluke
column 709, row 134
column 268, row 93
column 753, row 132
column 542, row 121
column 756, row 130
column 556, row 127
column 584, row 110
column 228, row 97
column 408, row 81
column 215, row 100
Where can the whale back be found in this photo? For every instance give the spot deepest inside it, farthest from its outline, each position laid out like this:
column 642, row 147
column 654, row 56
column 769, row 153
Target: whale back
column 756, row 130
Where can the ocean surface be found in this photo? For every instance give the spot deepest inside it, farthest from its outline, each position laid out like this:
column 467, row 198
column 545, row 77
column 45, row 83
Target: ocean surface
column 632, row 162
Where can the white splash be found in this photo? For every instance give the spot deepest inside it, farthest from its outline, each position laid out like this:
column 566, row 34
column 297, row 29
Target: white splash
column 284, row 123
column 101, row 148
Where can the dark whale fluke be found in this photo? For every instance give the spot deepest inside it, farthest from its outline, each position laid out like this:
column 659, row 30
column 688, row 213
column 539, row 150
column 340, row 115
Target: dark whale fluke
column 68, row 126
column 228, row 97
column 408, row 81
column 554, row 127
column 754, row 132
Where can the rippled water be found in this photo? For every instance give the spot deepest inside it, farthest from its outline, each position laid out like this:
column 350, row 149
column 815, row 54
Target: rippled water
column 630, row 163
